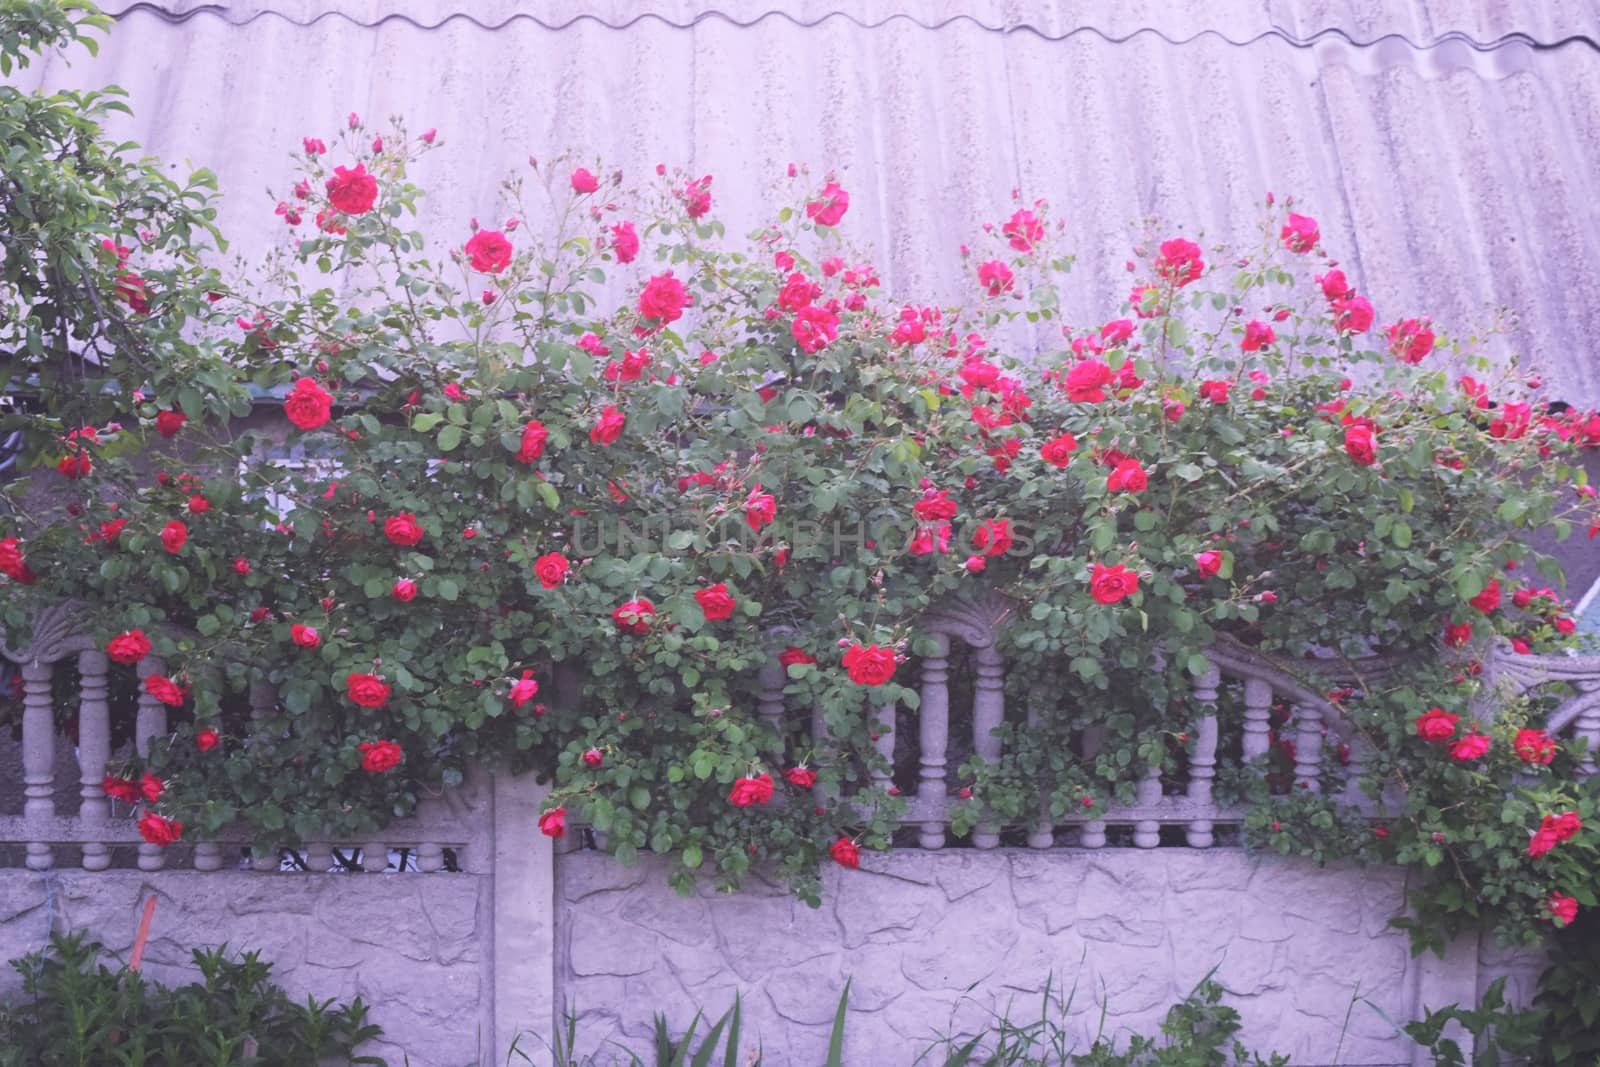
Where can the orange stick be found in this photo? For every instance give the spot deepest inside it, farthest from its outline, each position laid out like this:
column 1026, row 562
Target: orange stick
column 144, row 933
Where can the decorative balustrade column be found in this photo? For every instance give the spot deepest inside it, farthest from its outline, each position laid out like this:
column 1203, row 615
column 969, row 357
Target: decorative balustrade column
column 988, row 712
column 319, row 857
column 150, row 724
column 769, row 701
column 94, row 749
column 374, row 857
column 1043, row 833
column 1257, row 718
column 1147, row 831
column 1203, row 762
column 1093, row 834
column 38, row 757
column 1588, row 727
column 264, row 855
column 934, row 734
column 1308, row 747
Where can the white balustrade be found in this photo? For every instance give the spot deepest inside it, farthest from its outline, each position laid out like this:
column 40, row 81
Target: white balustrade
column 933, row 733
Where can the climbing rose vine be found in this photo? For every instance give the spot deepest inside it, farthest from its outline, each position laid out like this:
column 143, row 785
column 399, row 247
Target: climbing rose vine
column 552, row 492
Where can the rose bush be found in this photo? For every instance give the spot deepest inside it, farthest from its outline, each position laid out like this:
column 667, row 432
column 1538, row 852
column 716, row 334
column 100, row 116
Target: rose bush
column 566, row 489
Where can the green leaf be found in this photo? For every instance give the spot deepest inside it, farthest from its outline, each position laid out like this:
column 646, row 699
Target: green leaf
column 449, row 437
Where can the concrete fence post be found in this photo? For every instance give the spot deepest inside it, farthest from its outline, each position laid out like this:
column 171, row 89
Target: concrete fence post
column 1443, row 982
column 522, row 935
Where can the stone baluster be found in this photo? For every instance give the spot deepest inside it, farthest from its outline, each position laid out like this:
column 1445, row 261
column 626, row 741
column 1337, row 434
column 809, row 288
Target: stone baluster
column 769, row 701
column 1588, row 728
column 988, row 712
column 883, row 741
column 1360, row 752
column 430, row 857
column 374, row 857
column 1203, row 761
column 1257, row 717
column 1043, row 832
column 94, row 749
column 264, row 855
column 150, row 723
column 38, row 757
column 1093, row 834
column 319, row 857
column 1308, row 747
column 1147, row 831
column 934, row 736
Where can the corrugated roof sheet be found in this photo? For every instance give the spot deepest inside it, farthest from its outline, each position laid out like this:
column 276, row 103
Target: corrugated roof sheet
column 1450, row 148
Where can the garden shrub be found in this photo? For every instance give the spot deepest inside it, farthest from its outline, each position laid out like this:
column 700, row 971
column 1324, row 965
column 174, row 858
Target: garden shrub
column 552, row 497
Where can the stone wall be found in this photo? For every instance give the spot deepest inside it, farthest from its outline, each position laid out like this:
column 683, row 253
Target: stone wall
column 413, row 946
column 936, row 941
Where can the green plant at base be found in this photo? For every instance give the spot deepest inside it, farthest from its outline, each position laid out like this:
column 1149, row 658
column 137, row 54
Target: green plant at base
column 77, row 1012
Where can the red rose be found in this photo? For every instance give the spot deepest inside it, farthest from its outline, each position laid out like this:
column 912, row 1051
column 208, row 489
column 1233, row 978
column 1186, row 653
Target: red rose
column 1208, row 564
column 352, row 192
column 551, row 569
column 1563, row 908
column 241, row 566
column 164, row 690
column 170, row 423
column 151, row 787
column 635, row 616
column 845, row 853
column 663, row 299
column 489, row 252
column 1023, row 230
column 405, row 590
column 1565, row 826
column 199, row 505
column 624, row 242
column 1534, row 746
column 593, row 757
column 995, row 277
column 760, row 509
column 305, row 636
column 1108, row 585
column 1087, row 380
column 869, row 664
column 801, row 777
column 1541, row 842
column 1301, row 234
column 1361, row 443
column 1457, row 634
column 12, row 564
column 791, row 656
column 830, row 205
column 159, row 830
column 716, row 602
column 1471, row 747
column 583, row 182
column 123, row 789
column 608, row 427
column 1436, row 725
column 1215, row 390
column 993, row 537
column 1058, row 450
column 1352, row 315
column 553, row 823
column 750, row 791
column 1180, row 262
column 174, row 536
column 1334, row 286
column 1410, row 340
column 380, row 756
column 814, row 328
column 130, row 646
column 523, row 689
column 309, row 406
column 1489, row 599
column 531, row 448
column 75, row 465
column 367, row 690
column 1128, row 476
column 403, row 529
column 207, row 739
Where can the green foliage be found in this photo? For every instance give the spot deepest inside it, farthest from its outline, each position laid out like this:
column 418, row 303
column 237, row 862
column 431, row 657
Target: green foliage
column 75, row 1011
column 1256, row 519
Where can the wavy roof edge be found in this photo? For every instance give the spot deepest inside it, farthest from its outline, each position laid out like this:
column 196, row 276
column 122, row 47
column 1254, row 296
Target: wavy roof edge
column 687, row 15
